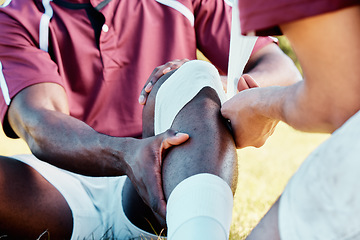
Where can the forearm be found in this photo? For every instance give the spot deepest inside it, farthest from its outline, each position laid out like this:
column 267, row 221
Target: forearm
column 271, row 67
column 327, row 47
column 302, row 107
column 68, row 143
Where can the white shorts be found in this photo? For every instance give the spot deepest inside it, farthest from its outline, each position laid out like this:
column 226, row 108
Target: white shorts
column 95, row 202
column 322, row 199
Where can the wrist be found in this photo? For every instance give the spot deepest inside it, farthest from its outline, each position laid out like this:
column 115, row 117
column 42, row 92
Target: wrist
column 117, row 154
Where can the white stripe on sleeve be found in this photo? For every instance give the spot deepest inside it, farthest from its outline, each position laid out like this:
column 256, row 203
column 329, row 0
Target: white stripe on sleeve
column 44, row 26
column 180, row 8
column 3, row 86
column 5, row 3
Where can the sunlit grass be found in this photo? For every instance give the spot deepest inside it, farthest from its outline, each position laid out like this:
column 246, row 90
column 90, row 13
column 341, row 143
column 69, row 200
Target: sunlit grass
column 10, row 147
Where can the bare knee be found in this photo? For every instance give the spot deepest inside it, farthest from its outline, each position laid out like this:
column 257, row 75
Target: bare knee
column 210, row 149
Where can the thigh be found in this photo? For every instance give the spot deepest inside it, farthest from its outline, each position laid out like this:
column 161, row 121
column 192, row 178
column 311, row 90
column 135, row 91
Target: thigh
column 29, row 205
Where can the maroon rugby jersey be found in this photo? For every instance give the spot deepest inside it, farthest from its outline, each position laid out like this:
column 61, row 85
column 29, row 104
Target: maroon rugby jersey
column 102, row 51
column 263, row 17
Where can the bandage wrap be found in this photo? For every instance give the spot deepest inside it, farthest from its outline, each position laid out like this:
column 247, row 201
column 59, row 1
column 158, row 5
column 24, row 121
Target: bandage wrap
column 180, row 88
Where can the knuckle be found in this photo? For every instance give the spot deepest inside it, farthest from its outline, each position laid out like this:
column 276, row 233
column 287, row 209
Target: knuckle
column 158, row 68
column 170, row 132
column 239, row 145
column 260, row 143
column 158, row 74
column 154, row 206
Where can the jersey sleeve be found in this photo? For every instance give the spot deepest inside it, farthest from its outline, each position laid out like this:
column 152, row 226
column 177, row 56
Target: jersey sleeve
column 263, row 17
column 22, row 63
column 262, row 42
column 213, row 28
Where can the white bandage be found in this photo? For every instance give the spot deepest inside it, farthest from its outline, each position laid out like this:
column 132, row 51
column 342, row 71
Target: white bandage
column 180, row 88
column 198, row 206
column 240, row 51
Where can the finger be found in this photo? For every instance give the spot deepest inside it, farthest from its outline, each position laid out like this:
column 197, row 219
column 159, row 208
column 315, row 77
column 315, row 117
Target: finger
column 236, row 135
column 242, row 84
column 167, row 67
column 228, row 113
column 250, row 81
column 157, row 199
column 174, row 140
column 159, row 207
column 178, row 63
column 175, row 65
column 161, row 219
column 166, row 70
column 226, row 109
column 261, row 142
column 148, row 87
column 145, row 93
column 157, row 73
column 154, row 76
column 142, row 99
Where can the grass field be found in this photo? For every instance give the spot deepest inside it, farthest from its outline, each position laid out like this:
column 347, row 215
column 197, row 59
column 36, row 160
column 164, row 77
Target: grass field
column 263, row 172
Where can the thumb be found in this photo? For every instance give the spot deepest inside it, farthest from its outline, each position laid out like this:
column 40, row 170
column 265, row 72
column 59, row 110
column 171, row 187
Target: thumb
column 226, row 109
column 174, row 138
column 242, row 85
column 251, row 83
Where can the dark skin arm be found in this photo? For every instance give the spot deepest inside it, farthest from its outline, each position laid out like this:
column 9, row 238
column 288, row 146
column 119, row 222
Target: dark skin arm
column 39, row 114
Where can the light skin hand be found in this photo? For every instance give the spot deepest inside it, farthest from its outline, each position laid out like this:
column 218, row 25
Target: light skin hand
column 320, row 103
column 246, row 82
column 255, row 134
column 157, row 73
column 249, row 128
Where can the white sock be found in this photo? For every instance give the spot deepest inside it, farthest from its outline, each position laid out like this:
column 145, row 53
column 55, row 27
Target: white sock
column 200, row 207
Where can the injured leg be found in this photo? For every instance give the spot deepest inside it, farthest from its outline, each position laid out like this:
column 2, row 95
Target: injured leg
column 199, row 176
